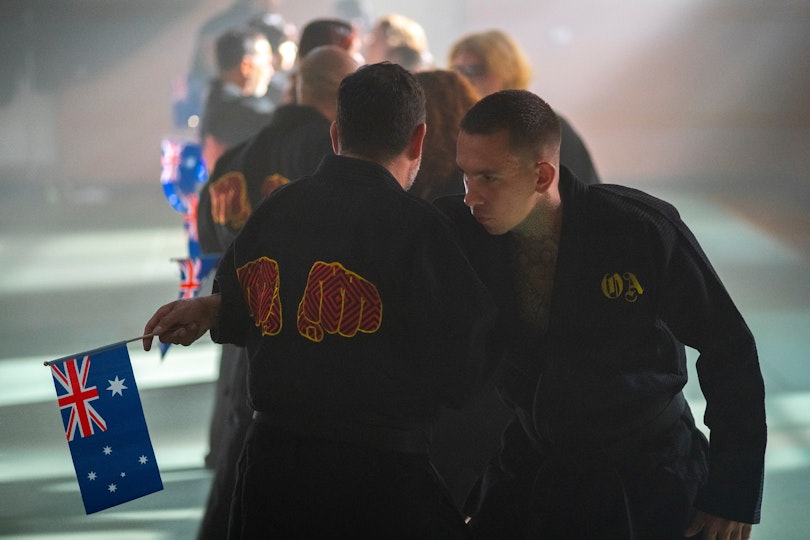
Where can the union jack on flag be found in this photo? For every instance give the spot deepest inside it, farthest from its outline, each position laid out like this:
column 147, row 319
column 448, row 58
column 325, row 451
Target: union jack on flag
column 182, row 171
column 170, row 160
column 72, row 376
column 192, row 271
column 190, row 226
column 105, row 427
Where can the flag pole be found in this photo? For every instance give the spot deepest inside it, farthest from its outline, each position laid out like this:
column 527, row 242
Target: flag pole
column 96, row 351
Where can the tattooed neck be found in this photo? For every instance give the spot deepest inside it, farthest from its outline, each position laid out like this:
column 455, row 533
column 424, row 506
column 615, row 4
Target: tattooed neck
column 534, row 263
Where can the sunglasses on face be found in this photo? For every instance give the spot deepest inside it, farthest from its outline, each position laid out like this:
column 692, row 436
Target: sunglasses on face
column 471, row 71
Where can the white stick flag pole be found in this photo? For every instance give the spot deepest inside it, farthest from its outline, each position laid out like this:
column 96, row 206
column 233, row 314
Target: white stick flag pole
column 98, row 350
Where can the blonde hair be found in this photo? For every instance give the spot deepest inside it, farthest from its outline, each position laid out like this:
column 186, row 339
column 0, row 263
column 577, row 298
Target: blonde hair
column 400, row 31
column 500, row 54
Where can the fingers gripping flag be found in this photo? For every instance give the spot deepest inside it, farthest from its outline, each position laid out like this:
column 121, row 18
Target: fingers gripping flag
column 105, row 427
column 193, row 271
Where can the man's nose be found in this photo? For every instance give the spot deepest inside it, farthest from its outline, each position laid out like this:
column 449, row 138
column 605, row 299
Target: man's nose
column 471, row 196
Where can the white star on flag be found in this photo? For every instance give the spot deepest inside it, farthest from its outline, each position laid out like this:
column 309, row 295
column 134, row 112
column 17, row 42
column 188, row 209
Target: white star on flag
column 117, row 386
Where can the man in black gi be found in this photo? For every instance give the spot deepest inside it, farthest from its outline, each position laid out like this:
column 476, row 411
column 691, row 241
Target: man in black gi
column 291, row 146
column 237, row 105
column 597, row 287
column 361, row 317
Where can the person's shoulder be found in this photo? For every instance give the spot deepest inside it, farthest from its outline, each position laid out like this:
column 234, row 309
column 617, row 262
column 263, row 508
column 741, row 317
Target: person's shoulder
column 615, row 202
column 302, row 125
column 452, row 206
column 295, row 112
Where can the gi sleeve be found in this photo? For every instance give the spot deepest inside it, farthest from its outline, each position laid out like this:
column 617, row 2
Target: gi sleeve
column 703, row 316
column 233, row 319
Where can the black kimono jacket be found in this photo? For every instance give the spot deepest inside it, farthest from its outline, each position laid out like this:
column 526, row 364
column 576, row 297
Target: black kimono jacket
column 631, row 285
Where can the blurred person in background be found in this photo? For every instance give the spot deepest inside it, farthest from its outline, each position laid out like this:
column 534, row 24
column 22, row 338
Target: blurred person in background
column 463, row 441
column 357, row 12
column 291, row 146
column 448, row 96
column 203, row 67
column 325, row 31
column 237, row 106
column 493, row 61
column 283, row 38
column 400, row 40
column 337, row 32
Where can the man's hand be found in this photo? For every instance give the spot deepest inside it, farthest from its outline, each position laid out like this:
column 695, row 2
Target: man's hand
column 717, row 528
column 182, row 322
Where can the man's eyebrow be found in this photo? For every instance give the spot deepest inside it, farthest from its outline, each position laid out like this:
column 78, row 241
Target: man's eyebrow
column 487, row 171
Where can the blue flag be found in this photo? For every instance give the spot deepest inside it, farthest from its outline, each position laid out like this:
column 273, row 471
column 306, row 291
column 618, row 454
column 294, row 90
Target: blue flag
column 105, row 427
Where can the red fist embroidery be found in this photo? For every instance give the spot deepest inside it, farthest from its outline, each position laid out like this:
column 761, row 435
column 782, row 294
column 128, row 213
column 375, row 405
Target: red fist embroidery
column 260, row 282
column 229, row 200
column 337, row 301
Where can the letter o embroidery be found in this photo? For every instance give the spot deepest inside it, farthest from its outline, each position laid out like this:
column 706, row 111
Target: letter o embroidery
column 612, row 286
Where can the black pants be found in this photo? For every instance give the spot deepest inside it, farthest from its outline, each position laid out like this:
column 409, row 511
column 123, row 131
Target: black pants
column 295, row 486
column 235, row 419
column 648, row 495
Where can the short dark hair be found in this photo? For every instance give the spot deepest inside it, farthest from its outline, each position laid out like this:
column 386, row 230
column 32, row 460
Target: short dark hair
column 235, row 44
column 532, row 124
column 379, row 108
column 325, row 32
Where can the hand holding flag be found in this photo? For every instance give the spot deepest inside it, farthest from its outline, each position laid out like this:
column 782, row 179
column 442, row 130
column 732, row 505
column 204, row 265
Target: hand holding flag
column 183, row 321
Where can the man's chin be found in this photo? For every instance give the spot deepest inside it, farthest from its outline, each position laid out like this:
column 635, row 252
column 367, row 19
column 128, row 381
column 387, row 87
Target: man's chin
column 491, row 227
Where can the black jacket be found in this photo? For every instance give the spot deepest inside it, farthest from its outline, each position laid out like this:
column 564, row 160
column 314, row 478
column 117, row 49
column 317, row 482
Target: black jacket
column 631, row 285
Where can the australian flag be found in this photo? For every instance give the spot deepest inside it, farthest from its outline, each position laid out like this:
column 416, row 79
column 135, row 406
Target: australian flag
column 193, row 270
column 105, row 427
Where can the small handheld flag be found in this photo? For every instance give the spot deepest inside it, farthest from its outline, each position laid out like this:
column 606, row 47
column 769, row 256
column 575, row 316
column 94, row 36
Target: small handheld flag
column 193, row 271
column 105, row 427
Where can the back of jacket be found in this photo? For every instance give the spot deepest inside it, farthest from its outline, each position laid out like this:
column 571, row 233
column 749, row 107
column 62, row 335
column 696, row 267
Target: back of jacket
column 355, row 302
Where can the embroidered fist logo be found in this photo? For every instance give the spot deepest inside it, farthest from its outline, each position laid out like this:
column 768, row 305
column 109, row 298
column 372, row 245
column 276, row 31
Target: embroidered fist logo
column 229, row 200
column 337, row 301
column 260, row 282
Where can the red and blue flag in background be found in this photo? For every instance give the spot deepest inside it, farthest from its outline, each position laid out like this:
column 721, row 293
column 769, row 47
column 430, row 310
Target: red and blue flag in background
column 193, row 270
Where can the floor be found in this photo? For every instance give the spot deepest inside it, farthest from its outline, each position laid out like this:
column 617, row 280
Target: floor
column 85, row 268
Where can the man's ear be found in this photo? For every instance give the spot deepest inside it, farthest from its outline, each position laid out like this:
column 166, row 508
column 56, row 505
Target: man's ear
column 418, row 137
column 246, row 66
column 546, row 173
column 333, row 133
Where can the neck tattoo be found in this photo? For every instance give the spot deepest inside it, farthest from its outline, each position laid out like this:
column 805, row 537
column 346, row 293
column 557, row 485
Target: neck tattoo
column 534, row 261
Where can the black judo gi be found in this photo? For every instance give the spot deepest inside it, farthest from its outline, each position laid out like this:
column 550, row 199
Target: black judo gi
column 601, row 444
column 361, row 317
column 290, row 146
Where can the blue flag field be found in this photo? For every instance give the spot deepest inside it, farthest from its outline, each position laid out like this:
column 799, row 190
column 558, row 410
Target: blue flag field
column 105, row 427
